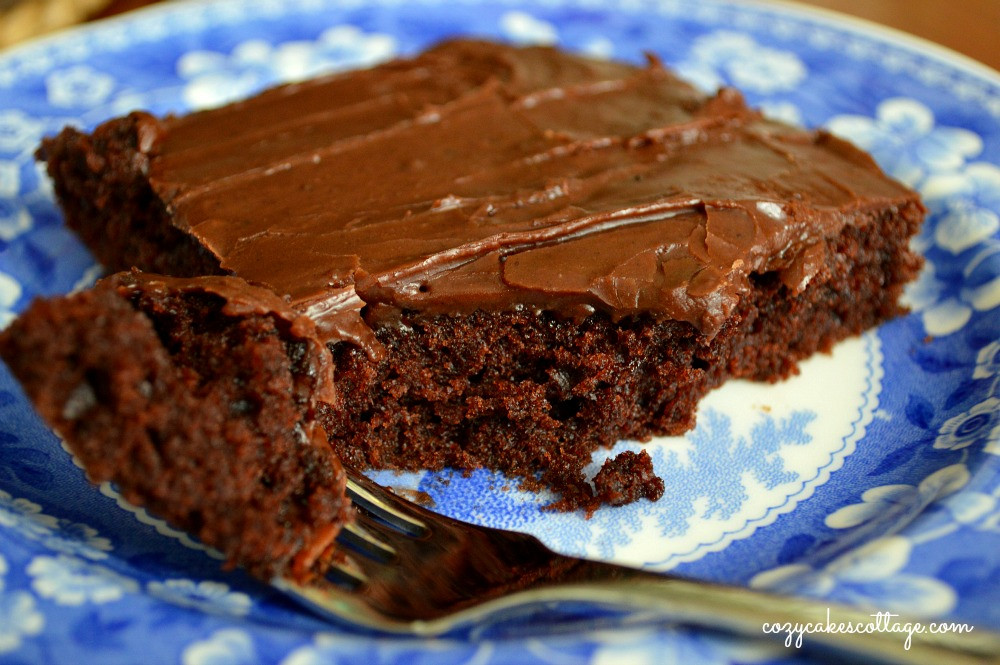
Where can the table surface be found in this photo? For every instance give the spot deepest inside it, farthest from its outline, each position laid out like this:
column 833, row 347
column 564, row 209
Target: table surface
column 971, row 27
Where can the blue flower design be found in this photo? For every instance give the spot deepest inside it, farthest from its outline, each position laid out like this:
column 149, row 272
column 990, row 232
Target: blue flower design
column 338, row 48
column 676, row 645
column 726, row 57
column 785, row 111
column 70, row 581
column 10, row 294
column 976, row 510
column 710, row 477
column 207, row 596
column 215, row 78
column 25, row 517
column 904, row 140
column 10, row 178
column 18, row 131
column 965, row 206
column 14, row 220
column 77, row 539
column 523, row 28
column 946, row 305
column 714, row 475
column 14, row 217
column 768, row 72
column 870, row 575
column 599, row 47
column 224, row 647
column 981, row 286
column 988, row 361
column 894, row 502
column 19, row 618
column 969, row 427
column 80, row 86
column 65, row 536
column 26, row 463
column 333, row 648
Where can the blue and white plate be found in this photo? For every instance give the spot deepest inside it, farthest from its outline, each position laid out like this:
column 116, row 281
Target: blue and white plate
column 873, row 477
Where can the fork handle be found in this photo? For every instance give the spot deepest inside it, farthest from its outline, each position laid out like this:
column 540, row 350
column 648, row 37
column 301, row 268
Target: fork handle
column 514, row 572
column 745, row 612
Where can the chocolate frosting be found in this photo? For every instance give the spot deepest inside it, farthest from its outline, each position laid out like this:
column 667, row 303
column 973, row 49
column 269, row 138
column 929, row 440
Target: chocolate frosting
column 478, row 175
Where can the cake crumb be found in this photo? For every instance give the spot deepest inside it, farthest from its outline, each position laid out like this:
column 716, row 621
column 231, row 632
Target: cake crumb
column 418, row 497
column 627, row 478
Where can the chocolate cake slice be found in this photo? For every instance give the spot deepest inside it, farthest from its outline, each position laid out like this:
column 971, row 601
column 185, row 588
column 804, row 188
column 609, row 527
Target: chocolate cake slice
column 515, row 256
column 197, row 398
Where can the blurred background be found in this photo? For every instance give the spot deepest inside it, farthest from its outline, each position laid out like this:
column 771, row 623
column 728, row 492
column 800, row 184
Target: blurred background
column 970, row 27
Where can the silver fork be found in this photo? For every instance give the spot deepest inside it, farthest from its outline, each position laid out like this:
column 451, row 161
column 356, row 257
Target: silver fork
column 411, row 571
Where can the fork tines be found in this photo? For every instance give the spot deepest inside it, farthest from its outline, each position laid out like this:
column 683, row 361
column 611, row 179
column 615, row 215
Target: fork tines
column 373, row 511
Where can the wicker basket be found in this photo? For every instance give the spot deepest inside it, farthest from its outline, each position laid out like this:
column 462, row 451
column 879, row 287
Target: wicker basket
column 24, row 19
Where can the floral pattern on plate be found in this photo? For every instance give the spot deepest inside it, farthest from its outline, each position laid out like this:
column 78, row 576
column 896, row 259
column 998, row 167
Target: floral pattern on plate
column 791, row 487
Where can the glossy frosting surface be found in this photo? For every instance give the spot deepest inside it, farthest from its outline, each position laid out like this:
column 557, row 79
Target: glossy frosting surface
column 477, row 175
